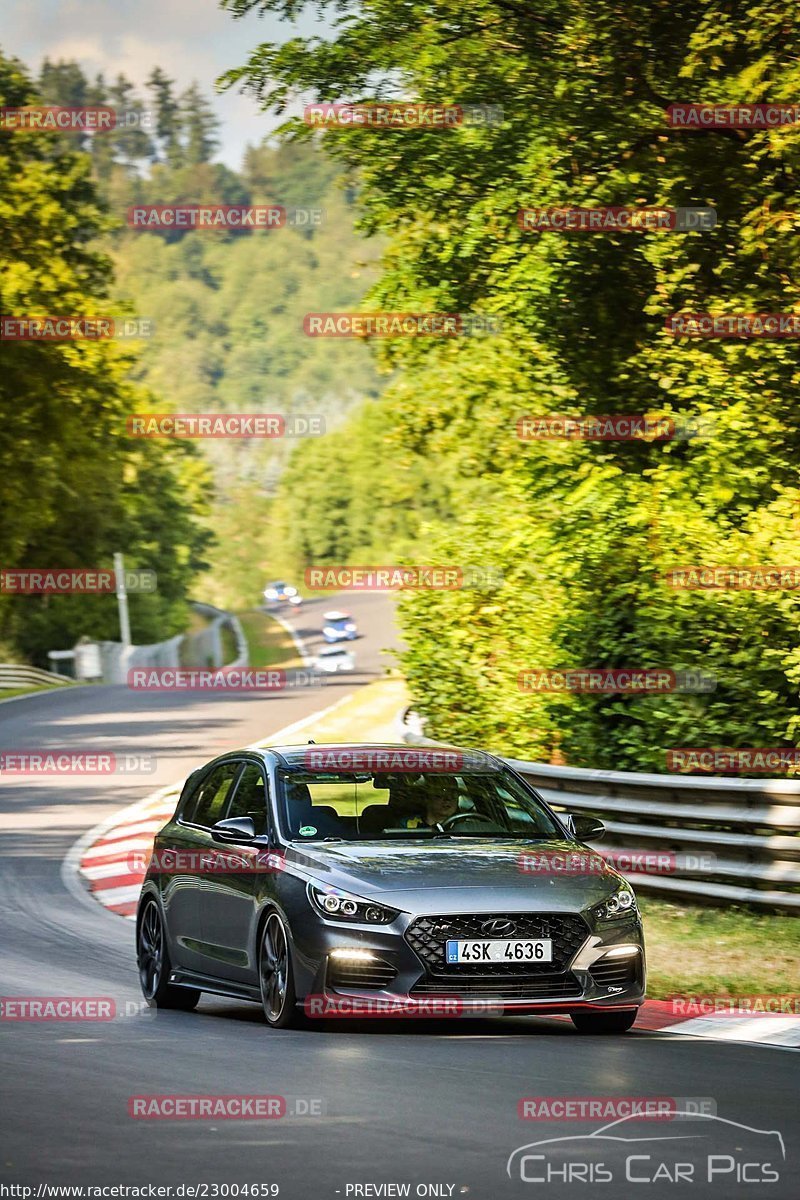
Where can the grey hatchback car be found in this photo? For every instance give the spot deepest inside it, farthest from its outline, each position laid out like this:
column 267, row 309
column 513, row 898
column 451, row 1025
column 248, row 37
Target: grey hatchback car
column 385, row 880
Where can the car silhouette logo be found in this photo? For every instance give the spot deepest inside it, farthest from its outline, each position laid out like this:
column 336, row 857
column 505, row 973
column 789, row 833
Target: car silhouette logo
column 498, row 928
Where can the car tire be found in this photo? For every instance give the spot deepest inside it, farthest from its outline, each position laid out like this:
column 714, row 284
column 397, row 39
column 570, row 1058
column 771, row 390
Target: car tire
column 604, row 1022
column 152, row 956
column 276, row 975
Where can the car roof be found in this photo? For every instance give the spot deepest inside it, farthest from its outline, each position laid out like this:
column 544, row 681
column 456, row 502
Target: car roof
column 335, row 615
column 295, row 756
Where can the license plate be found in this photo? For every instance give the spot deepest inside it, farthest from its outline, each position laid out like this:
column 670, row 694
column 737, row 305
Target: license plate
column 500, row 951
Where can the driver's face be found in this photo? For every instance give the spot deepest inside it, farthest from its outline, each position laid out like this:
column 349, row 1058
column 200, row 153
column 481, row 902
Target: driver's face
column 442, row 802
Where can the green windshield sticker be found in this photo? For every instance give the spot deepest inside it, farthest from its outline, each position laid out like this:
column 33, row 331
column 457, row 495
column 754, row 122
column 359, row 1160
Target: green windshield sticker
column 308, row 830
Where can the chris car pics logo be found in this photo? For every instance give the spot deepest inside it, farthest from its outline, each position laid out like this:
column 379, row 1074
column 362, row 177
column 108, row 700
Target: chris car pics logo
column 703, row 1149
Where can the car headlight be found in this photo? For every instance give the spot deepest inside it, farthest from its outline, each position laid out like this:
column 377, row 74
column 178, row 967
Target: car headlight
column 621, row 903
column 340, row 906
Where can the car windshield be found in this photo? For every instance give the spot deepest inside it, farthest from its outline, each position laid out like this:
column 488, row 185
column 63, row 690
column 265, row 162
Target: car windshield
column 366, row 806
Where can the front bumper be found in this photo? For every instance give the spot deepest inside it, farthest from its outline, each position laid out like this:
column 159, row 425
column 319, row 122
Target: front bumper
column 396, row 978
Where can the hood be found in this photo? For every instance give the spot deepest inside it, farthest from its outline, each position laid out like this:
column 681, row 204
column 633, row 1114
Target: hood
column 473, row 874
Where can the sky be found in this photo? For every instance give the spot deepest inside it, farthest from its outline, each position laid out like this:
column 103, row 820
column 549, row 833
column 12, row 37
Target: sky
column 189, row 39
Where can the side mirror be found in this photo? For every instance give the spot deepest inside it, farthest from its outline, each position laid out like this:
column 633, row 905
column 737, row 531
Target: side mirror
column 588, row 829
column 234, row 829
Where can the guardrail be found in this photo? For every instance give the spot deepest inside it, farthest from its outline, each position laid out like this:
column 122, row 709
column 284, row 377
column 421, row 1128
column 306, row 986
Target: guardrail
column 201, row 648
column 18, row 675
column 729, row 840
column 219, row 620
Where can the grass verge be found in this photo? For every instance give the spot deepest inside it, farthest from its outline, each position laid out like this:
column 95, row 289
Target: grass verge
column 700, row 950
column 10, row 693
column 269, row 643
column 367, row 715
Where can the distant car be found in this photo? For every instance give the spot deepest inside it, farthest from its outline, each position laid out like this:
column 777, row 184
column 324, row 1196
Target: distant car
column 332, row 659
column 338, row 627
column 282, row 593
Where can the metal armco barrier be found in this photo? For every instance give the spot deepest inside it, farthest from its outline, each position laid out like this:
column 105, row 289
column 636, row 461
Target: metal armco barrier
column 220, row 619
column 749, row 827
column 18, row 675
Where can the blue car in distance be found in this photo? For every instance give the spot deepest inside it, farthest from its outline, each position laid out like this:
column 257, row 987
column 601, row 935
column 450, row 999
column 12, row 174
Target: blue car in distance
column 338, row 627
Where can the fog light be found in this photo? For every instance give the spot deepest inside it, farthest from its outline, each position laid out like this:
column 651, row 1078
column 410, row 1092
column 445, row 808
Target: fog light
column 621, row 952
column 352, row 955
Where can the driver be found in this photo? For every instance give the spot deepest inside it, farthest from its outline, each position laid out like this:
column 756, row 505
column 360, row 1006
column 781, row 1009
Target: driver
column 441, row 803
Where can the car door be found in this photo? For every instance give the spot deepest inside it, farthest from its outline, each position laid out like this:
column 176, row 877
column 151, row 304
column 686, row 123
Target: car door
column 229, row 897
column 186, row 843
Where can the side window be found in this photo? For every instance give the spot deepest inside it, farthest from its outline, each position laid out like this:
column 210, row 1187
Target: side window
column 211, row 796
column 250, row 798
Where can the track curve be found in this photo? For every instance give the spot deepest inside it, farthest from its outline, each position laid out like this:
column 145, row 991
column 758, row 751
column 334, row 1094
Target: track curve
column 414, row 1102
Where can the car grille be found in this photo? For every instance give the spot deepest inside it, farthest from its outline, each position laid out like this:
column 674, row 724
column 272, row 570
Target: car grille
column 427, row 936
column 615, row 973
column 373, row 975
column 547, row 987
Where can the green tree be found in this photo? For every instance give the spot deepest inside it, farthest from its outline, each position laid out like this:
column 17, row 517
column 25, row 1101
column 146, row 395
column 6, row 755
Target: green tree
column 74, row 487
column 168, row 118
column 586, row 530
column 199, row 126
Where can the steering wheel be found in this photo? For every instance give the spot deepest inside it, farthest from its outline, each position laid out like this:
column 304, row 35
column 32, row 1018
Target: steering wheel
column 465, row 816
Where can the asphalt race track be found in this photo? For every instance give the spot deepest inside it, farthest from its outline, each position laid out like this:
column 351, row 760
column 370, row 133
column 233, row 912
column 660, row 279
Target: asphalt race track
column 409, row 1101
